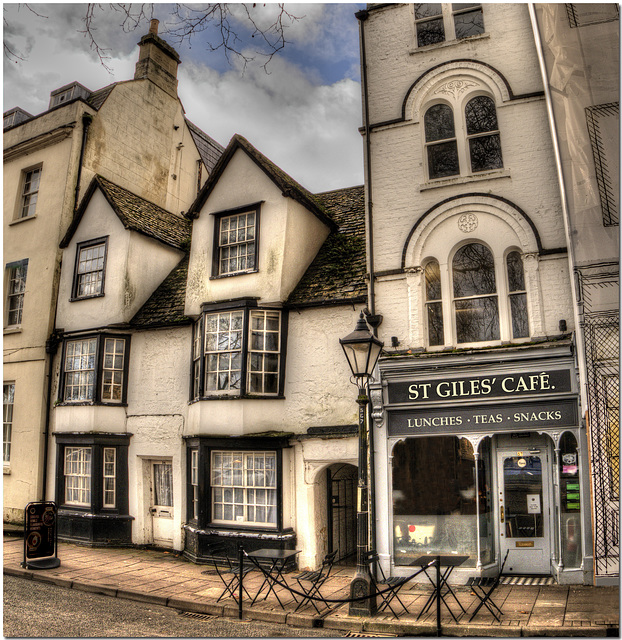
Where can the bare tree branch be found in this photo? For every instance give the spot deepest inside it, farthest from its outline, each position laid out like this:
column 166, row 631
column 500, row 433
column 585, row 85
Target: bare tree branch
column 220, row 26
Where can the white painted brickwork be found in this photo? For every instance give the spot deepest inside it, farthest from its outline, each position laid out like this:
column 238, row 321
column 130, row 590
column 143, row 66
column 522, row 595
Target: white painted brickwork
column 516, row 206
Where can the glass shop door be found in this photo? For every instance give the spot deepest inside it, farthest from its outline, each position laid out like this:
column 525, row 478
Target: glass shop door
column 524, row 510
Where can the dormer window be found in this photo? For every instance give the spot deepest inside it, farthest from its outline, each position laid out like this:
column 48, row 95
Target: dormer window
column 67, row 93
column 90, row 269
column 235, row 241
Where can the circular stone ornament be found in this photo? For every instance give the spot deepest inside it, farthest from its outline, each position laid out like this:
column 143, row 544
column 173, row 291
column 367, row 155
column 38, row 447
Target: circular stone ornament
column 467, row 222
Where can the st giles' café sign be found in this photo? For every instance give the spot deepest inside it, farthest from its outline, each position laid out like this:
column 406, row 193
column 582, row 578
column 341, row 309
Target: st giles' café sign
column 472, row 403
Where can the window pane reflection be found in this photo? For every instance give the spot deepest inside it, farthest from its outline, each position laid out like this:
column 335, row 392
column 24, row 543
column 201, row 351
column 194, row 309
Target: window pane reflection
column 434, row 501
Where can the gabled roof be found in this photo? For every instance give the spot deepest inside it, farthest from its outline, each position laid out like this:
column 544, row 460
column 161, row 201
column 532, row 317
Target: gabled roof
column 289, row 187
column 136, row 214
column 209, row 150
column 165, row 307
column 337, row 274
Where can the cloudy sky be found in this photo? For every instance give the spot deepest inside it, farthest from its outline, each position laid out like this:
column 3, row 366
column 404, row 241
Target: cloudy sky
column 303, row 114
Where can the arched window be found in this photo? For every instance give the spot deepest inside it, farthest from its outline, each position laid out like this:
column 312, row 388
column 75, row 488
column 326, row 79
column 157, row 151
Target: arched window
column 475, row 294
column 440, row 139
column 434, row 304
column 518, row 295
column 483, row 134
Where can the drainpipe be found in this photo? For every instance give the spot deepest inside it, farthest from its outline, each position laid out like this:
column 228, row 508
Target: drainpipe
column 51, row 346
column 362, row 16
column 87, row 118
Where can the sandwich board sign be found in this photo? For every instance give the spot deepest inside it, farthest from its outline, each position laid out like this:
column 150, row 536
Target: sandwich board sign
column 40, row 536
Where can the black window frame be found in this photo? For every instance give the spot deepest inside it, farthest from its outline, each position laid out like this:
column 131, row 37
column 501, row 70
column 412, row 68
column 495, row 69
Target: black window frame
column 97, row 443
column 246, row 306
column 99, row 362
column 87, row 244
column 249, row 444
column 216, row 246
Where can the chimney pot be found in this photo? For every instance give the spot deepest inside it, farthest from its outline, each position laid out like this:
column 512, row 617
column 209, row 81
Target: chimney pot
column 153, row 27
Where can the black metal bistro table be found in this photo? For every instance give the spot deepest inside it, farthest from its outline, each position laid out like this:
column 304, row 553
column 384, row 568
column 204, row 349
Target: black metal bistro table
column 278, row 558
column 447, row 563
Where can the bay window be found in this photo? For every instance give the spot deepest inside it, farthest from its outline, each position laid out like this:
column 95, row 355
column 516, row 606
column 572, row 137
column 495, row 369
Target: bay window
column 238, row 352
column 243, row 486
column 94, row 369
column 92, row 477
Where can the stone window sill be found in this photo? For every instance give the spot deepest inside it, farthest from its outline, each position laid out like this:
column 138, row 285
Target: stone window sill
column 476, row 177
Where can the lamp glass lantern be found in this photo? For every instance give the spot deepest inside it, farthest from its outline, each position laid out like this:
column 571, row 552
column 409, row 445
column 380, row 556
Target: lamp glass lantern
column 362, row 350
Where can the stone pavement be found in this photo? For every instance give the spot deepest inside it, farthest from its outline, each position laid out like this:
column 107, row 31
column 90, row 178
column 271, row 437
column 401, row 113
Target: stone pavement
column 167, row 579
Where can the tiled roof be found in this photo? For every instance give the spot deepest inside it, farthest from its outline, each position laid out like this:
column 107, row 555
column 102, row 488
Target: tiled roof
column 337, row 273
column 209, row 150
column 97, row 98
column 165, row 307
column 136, row 214
column 289, row 187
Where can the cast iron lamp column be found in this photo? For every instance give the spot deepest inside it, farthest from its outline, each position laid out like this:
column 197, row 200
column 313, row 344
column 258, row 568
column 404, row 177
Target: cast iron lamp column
column 362, row 350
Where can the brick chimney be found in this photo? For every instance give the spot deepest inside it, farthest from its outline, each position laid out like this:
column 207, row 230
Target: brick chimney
column 157, row 61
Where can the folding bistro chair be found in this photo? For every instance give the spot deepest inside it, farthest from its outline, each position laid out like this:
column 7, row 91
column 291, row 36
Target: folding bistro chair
column 483, row 588
column 387, row 588
column 316, row 580
column 228, row 571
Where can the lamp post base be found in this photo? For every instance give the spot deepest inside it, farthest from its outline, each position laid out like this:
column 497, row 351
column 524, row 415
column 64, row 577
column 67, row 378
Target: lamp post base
column 360, row 586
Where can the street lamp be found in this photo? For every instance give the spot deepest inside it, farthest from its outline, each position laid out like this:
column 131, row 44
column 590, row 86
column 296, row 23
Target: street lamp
column 362, row 350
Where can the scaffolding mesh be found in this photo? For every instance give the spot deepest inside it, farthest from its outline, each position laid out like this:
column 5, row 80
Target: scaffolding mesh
column 602, row 346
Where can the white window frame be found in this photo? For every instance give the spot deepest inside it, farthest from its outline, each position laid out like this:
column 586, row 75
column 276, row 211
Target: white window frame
column 262, row 355
column 85, row 372
column 194, row 482
column 229, row 242
column 31, row 183
column 230, row 354
column 77, row 474
column 447, row 14
column 8, row 405
column 245, row 491
column 109, row 471
column 16, row 277
column 113, row 374
column 90, row 269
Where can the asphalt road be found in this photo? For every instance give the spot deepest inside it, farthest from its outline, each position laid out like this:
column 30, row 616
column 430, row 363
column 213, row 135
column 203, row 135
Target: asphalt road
column 36, row 609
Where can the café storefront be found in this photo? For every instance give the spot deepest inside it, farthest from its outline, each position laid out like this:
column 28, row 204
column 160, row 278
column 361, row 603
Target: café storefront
column 485, row 454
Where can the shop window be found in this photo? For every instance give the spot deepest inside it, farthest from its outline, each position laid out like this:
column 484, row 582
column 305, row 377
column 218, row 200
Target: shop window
column 7, row 421
column 437, row 23
column 16, row 289
column 475, row 300
column 612, row 412
column 570, row 497
column 434, row 305
column 434, row 498
column 235, row 242
column 30, row 192
column 243, row 487
column 90, row 269
column 238, row 352
column 440, row 138
column 95, row 370
column 483, row 134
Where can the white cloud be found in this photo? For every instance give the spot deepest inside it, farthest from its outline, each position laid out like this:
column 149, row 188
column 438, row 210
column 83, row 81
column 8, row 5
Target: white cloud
column 307, row 127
